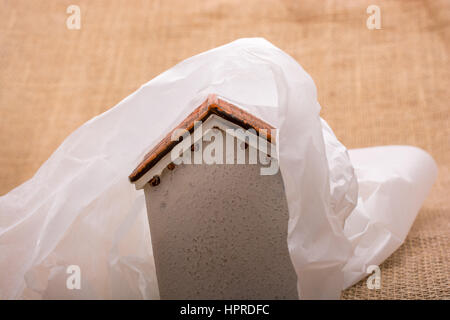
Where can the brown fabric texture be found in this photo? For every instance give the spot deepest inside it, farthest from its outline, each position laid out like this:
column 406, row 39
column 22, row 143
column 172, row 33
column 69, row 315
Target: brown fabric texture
column 376, row 87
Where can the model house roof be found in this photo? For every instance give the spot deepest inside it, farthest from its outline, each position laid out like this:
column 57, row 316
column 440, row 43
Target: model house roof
column 212, row 106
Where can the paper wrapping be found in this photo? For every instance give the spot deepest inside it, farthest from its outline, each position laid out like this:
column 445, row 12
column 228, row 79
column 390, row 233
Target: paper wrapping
column 346, row 210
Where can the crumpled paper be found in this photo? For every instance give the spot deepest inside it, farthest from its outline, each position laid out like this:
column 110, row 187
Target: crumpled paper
column 348, row 210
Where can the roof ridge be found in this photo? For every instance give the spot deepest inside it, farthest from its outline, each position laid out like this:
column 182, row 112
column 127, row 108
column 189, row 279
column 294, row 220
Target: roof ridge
column 212, row 105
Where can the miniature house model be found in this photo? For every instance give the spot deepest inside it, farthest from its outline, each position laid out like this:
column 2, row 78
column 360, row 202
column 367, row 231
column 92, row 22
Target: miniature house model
column 218, row 228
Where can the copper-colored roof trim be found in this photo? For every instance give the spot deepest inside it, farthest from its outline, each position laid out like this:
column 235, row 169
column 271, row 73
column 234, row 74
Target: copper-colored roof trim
column 212, row 105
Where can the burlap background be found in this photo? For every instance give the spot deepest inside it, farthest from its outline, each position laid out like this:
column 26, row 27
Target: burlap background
column 376, row 87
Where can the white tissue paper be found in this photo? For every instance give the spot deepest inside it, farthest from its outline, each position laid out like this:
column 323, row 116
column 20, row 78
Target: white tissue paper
column 346, row 213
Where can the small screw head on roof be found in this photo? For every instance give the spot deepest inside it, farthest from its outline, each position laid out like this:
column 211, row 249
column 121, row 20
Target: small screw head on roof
column 194, row 147
column 155, row 181
column 171, row 166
